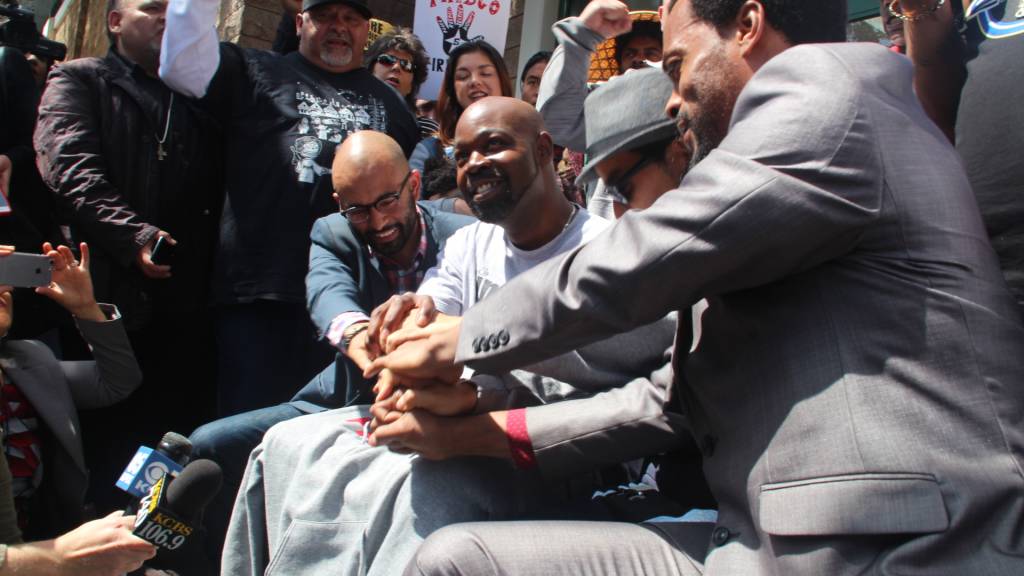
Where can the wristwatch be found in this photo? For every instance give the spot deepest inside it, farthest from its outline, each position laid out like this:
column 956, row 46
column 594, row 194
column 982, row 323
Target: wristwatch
column 351, row 332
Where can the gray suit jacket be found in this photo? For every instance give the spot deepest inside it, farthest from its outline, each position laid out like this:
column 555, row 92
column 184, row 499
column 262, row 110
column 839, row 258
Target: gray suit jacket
column 57, row 390
column 860, row 371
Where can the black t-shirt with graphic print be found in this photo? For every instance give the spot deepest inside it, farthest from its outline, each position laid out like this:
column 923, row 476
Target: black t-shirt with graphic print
column 283, row 118
column 990, row 130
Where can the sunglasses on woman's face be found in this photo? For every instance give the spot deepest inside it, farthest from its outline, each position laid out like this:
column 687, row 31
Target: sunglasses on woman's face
column 389, row 61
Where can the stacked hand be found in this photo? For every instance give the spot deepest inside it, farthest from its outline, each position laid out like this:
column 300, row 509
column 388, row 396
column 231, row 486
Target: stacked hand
column 420, row 420
column 414, row 400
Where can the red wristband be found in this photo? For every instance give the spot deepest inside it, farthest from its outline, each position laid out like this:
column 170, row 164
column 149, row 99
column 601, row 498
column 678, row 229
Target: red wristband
column 519, row 443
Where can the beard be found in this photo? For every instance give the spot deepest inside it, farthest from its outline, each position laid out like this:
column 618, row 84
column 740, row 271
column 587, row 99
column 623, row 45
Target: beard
column 337, row 57
column 390, row 248
column 500, row 205
column 708, row 132
column 715, row 92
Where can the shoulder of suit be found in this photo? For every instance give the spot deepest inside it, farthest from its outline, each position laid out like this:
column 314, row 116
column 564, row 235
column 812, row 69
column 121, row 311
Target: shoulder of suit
column 333, row 228
column 858, row 59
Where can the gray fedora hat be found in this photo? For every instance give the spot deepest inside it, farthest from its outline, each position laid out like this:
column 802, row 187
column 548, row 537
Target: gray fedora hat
column 626, row 112
column 359, row 5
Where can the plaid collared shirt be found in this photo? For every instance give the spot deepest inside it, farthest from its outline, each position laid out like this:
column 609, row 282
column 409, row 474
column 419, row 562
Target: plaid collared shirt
column 408, row 279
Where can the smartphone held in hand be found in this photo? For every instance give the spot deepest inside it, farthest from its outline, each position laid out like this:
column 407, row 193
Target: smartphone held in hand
column 23, row 270
column 163, row 252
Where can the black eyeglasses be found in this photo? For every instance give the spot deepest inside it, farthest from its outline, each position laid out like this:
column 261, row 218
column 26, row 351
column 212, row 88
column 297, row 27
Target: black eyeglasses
column 389, row 60
column 620, row 190
column 357, row 214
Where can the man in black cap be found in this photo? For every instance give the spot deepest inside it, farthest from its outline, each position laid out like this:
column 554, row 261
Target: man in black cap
column 283, row 117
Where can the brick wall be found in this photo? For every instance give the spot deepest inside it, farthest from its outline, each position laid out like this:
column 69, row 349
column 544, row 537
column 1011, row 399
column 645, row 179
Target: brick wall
column 82, row 26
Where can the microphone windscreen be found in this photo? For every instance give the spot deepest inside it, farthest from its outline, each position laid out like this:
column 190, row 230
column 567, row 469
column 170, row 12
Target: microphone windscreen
column 194, row 487
column 176, row 447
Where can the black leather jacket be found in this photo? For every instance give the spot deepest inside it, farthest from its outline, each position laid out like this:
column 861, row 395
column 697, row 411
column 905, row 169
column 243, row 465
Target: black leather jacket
column 97, row 140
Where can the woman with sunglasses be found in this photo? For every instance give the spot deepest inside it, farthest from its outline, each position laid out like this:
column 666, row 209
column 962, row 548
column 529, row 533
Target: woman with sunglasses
column 399, row 59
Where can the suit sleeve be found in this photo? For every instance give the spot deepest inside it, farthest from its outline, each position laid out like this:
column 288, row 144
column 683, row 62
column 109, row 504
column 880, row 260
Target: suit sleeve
column 332, row 285
column 793, row 185
column 620, row 424
column 114, row 372
column 68, row 139
column 606, row 403
column 563, row 87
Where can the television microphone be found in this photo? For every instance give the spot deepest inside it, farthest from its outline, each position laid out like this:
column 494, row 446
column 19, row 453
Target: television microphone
column 149, row 465
column 169, row 517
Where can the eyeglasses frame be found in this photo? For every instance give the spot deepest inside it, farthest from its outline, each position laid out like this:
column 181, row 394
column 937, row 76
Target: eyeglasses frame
column 375, row 205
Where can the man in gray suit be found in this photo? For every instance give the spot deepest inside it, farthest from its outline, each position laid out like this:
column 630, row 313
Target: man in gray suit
column 857, row 388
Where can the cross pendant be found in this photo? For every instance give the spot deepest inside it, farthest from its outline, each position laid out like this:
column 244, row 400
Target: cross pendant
column 160, row 152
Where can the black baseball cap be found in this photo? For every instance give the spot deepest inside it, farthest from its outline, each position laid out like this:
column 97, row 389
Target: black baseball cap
column 359, row 5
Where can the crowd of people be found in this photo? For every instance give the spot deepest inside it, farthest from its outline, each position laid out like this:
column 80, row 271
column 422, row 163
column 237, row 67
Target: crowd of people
column 718, row 292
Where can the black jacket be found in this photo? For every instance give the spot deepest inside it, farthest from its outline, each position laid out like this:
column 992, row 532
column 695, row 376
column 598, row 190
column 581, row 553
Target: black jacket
column 97, row 142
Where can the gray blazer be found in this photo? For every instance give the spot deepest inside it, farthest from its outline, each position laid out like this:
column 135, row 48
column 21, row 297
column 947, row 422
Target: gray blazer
column 57, row 390
column 860, row 371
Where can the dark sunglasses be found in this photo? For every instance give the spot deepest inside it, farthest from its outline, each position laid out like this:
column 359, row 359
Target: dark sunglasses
column 359, row 213
column 621, row 190
column 389, row 60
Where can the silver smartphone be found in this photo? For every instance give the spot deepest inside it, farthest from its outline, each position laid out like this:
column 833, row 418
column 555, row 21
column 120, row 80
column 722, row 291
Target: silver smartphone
column 23, row 270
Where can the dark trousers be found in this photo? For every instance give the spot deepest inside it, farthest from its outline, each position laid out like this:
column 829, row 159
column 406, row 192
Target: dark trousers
column 267, row 350
column 176, row 354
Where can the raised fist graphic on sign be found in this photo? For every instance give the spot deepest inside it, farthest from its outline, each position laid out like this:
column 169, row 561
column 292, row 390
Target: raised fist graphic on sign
column 456, row 29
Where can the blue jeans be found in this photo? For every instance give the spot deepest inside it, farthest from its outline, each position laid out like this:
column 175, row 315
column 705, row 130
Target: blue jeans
column 228, row 442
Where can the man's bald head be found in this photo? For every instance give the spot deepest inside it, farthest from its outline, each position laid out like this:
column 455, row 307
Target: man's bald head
column 502, row 111
column 366, row 156
column 503, row 154
column 377, row 193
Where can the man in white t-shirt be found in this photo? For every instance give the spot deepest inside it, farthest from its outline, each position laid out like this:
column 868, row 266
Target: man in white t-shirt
column 363, row 508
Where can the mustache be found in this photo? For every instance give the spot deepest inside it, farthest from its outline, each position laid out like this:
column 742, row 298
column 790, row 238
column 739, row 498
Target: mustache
column 682, row 122
column 338, row 35
column 490, row 174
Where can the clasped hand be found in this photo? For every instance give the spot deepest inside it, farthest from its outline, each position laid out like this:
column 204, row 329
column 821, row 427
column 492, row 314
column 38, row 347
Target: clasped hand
column 413, row 409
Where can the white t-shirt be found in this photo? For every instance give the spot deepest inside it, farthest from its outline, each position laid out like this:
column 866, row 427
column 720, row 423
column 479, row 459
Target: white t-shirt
column 478, row 259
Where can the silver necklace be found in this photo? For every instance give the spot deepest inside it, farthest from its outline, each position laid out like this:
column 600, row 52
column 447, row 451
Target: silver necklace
column 161, row 152
column 572, row 215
